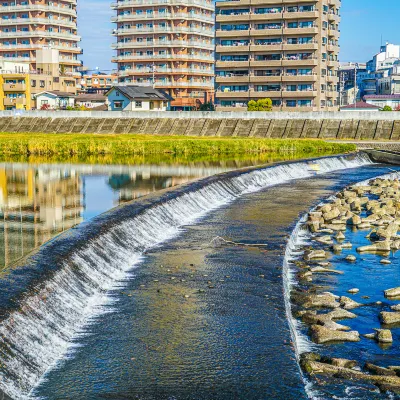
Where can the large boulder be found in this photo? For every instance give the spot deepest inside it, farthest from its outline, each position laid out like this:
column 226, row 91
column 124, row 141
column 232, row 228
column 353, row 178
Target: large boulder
column 388, row 317
column 377, row 247
column 395, row 292
column 324, row 300
column 348, row 304
column 321, row 334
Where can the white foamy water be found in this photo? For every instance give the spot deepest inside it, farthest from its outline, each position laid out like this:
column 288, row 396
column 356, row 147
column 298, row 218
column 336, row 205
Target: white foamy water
column 41, row 333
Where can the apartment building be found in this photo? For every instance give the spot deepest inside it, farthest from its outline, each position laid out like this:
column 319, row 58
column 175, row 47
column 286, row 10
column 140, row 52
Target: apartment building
column 19, row 84
column 286, row 50
column 97, row 82
column 168, row 44
column 29, row 25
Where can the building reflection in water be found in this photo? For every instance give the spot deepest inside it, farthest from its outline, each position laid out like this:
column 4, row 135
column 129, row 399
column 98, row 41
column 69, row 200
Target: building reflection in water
column 39, row 201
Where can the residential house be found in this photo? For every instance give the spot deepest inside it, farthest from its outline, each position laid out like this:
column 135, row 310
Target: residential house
column 54, row 100
column 137, row 98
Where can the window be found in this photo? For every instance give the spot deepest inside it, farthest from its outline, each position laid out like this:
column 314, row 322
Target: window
column 138, row 104
column 118, row 104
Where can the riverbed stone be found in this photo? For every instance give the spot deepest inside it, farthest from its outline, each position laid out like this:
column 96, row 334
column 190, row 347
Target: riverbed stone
column 325, row 300
column 394, row 292
column 314, row 254
column 351, row 258
column 388, row 317
column 321, row 334
column 353, row 290
column 349, row 304
column 375, row 369
column 383, row 246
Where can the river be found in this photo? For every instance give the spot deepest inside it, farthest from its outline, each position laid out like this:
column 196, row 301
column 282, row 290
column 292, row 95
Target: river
column 143, row 302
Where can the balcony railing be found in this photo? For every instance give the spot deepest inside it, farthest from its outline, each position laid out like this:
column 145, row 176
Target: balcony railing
column 132, row 3
column 39, row 7
column 158, row 15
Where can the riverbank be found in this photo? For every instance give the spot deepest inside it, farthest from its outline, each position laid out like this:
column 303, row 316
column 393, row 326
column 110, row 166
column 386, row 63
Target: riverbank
column 347, row 272
column 27, row 144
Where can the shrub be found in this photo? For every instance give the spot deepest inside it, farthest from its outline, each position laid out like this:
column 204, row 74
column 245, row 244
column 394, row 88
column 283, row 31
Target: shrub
column 260, row 105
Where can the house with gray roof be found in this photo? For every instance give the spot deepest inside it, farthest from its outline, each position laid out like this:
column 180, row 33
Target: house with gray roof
column 137, row 98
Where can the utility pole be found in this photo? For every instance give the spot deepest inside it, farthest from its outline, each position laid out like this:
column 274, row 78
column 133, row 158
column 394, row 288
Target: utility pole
column 355, row 84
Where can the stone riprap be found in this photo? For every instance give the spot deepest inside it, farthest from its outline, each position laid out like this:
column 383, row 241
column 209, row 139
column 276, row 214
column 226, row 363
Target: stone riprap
column 360, row 127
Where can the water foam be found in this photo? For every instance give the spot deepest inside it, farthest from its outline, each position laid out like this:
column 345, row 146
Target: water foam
column 40, row 333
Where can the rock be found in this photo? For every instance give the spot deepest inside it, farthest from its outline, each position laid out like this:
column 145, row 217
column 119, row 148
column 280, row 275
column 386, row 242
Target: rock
column 314, row 254
column 395, row 307
column 321, row 334
column 351, row 258
column 388, row 232
column 388, row 317
column 375, row 248
column 348, row 304
column 324, row 240
column 383, row 335
column 379, row 370
column 340, row 236
column 340, row 313
column 325, row 300
column 343, row 363
column 385, row 261
column 332, row 214
column 347, row 245
column 326, row 208
column 395, row 292
column 335, row 326
column 337, row 248
column 322, row 270
column 395, row 245
column 364, row 225
column 355, row 220
column 353, row 291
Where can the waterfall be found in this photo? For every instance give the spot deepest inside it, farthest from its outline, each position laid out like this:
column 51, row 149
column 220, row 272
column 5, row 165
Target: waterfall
column 39, row 332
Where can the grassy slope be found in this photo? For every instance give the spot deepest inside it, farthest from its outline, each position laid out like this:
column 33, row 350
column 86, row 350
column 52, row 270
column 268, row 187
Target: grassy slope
column 89, row 144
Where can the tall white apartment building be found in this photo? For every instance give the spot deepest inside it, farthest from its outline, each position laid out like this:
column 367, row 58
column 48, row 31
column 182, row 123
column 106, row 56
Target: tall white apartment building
column 168, row 44
column 29, row 25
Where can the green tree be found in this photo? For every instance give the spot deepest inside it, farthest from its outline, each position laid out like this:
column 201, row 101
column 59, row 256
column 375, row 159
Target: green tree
column 207, row 107
column 387, row 108
column 260, row 105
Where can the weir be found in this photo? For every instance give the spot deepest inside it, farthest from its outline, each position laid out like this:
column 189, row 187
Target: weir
column 69, row 281
column 361, row 126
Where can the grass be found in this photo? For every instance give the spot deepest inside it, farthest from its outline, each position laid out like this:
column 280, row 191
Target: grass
column 85, row 145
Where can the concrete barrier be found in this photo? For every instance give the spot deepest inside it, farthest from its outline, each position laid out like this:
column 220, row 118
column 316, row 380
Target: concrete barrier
column 359, row 126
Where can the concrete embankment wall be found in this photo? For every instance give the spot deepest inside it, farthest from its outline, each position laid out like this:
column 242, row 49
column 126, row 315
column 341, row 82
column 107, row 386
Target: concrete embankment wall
column 345, row 125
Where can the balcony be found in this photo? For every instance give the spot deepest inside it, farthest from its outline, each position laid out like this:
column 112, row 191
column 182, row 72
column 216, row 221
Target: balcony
column 36, row 8
column 10, row 101
column 134, row 57
column 244, row 94
column 313, row 30
column 163, row 16
column 163, row 43
column 227, row 64
column 234, row 33
column 301, row 14
column 14, row 87
column 140, row 3
column 38, row 33
column 38, row 21
column 235, row 17
column 232, row 49
column 232, row 79
column 175, row 29
column 304, row 94
column 300, row 62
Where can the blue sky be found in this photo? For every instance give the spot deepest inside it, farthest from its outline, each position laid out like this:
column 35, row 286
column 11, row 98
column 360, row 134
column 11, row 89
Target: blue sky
column 363, row 23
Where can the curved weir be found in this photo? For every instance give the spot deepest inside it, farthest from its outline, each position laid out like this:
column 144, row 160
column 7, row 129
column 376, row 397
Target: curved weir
column 62, row 287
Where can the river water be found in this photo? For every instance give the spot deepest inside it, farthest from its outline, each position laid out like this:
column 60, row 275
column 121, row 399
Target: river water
column 143, row 302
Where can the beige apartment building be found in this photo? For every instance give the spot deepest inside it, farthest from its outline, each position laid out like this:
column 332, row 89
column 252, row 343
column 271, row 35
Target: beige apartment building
column 168, row 44
column 286, row 50
column 29, row 25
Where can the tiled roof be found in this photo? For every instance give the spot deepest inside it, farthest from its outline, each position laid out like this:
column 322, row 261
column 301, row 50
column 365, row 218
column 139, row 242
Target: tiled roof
column 142, row 92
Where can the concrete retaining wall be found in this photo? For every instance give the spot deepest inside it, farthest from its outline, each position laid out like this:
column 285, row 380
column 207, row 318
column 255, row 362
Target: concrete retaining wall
column 356, row 126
